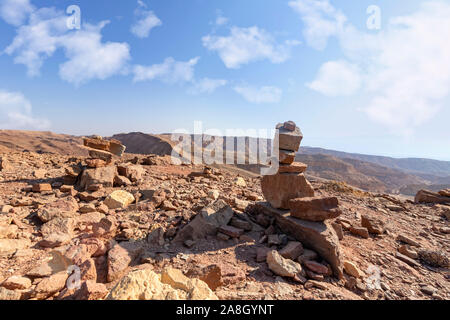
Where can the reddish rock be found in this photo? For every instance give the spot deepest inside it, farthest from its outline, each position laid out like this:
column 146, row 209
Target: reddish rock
column 88, row 270
column 425, row 196
column 289, row 140
column 292, row 250
column 90, row 290
column 286, row 157
column 360, row 231
column 120, row 257
column 315, row 208
column 375, row 226
column 316, row 267
column 42, row 187
column 231, row 231
column 96, row 163
column 295, row 167
column 279, row 189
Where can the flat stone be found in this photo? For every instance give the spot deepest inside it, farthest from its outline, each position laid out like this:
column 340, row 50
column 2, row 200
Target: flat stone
column 231, row 231
column 286, row 157
column 351, row 269
column 119, row 199
column 289, row 140
column 292, row 250
column 102, row 155
column 373, row 225
column 42, row 187
column 317, row 267
column 320, row 236
column 307, row 255
column 425, row 196
column 295, row 167
column 280, row 188
column 406, row 259
column 315, row 208
column 104, row 176
column 281, row 266
column 17, row 282
column 407, row 240
column 360, row 231
column 8, row 246
column 51, row 285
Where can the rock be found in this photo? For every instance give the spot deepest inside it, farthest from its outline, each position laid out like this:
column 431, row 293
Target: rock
column 102, row 155
column 58, row 226
column 106, row 226
column 404, row 249
column 132, row 172
column 4, row 164
column 96, row 163
column 406, row 259
column 289, row 125
column 281, row 266
column 212, row 276
column 240, row 204
column 61, row 208
column 116, row 147
column 351, row 269
column 319, row 236
column 119, row 199
column 373, row 225
column 286, row 157
column 120, row 181
column 240, row 182
column 98, row 144
column 55, row 240
column 445, row 193
column 42, row 187
column 434, row 258
column 213, row 194
column 206, row 222
column 147, row 285
column 428, row 290
column 425, row 196
column 6, row 209
column 88, row 270
column 279, row 189
column 231, row 231
column 261, row 254
column 51, row 285
column 408, row 240
column 307, row 255
column 295, row 167
column 273, row 240
column 289, row 140
column 292, row 250
column 8, row 231
column 359, row 231
column 120, row 257
column 315, row 208
column 17, row 282
column 317, row 268
column 6, row 294
column 88, row 208
column 241, row 224
column 90, row 290
column 8, row 246
column 104, row 176
column 339, row 231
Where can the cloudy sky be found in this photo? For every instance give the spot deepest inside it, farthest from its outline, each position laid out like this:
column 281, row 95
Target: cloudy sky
column 159, row 65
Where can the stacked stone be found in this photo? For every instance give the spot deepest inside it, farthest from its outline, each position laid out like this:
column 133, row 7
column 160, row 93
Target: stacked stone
column 289, row 182
column 101, row 151
column 289, row 189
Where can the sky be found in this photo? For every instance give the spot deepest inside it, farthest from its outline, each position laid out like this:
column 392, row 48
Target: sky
column 366, row 76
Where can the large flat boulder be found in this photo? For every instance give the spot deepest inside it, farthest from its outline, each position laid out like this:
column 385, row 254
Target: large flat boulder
column 278, row 189
column 315, row 208
column 104, row 176
column 319, row 236
column 425, row 196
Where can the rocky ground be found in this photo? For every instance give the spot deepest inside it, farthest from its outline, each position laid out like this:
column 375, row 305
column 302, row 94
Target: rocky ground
column 192, row 233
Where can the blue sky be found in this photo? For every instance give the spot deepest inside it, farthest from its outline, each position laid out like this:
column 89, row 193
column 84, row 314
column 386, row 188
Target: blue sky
column 157, row 66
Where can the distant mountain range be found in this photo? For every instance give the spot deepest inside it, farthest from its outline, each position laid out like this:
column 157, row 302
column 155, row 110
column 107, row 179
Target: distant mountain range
column 372, row 173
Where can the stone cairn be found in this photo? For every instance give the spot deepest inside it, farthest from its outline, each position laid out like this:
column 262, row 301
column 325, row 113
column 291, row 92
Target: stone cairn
column 288, row 188
column 101, row 154
column 308, row 215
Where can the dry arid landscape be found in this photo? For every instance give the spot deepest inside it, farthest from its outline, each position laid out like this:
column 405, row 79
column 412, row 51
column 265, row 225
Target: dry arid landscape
column 82, row 220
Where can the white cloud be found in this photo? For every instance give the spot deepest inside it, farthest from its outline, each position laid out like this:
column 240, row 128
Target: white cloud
column 404, row 68
column 15, row 112
column 207, row 85
column 88, row 57
column 146, row 22
column 170, row 71
column 245, row 45
column 15, row 12
column 337, row 78
column 260, row 95
column 321, row 21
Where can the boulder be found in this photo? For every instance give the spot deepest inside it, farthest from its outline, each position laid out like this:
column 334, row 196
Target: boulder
column 445, row 193
column 102, row 155
column 289, row 140
column 319, row 236
column 17, row 282
column 280, row 188
column 206, row 222
column 51, row 285
column 6, row 294
column 281, row 266
column 41, row 187
column 120, row 257
column 292, row 250
column 315, row 208
column 104, row 176
column 147, row 285
column 435, row 258
column 8, row 246
column 295, row 167
column 119, row 199
column 286, row 157
column 373, row 225
column 425, row 196
column 90, row 290
column 131, row 171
